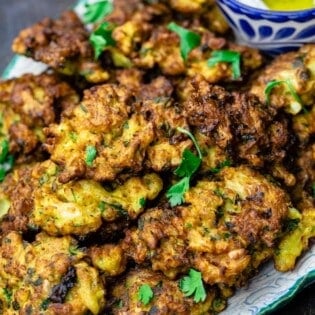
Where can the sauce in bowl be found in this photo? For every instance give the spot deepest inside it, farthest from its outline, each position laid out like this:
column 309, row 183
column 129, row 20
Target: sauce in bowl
column 290, row 5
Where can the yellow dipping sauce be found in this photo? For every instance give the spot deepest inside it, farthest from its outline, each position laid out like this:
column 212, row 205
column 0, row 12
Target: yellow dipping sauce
column 290, row 5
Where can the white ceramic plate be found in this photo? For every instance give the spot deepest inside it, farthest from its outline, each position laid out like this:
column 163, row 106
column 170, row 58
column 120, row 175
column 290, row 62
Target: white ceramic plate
column 265, row 292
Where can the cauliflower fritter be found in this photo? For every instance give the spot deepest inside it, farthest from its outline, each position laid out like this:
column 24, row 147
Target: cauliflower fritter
column 120, row 131
column 63, row 45
column 167, row 297
column 301, row 230
column 30, row 103
column 78, row 207
column 220, row 223
column 295, row 67
column 44, row 276
column 237, row 127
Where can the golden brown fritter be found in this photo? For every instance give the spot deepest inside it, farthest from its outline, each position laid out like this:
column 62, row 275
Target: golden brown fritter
column 61, row 44
column 295, row 67
column 30, row 103
column 47, row 275
column 236, row 126
column 16, row 200
column 301, row 231
column 109, row 258
column 78, row 207
column 167, row 297
column 121, row 132
column 304, row 190
column 215, row 230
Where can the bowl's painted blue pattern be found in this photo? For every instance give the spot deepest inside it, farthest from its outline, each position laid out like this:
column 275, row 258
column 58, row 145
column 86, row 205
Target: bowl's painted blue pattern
column 271, row 31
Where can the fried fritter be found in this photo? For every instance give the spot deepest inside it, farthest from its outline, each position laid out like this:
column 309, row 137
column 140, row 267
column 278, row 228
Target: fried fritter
column 217, row 230
column 63, row 45
column 120, row 131
column 30, row 103
column 45, row 276
column 16, row 200
column 167, row 297
column 295, row 67
column 237, row 127
column 78, row 207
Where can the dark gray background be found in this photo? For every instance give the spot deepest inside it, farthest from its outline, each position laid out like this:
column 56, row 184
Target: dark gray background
column 17, row 14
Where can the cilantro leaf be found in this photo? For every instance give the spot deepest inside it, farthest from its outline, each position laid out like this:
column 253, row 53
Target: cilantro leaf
column 145, row 294
column 193, row 285
column 175, row 193
column 142, row 202
column 229, row 56
column 97, row 11
column 189, row 165
column 193, row 139
column 272, row 84
column 221, row 165
column 187, row 168
column 90, row 155
column 102, row 38
column 4, row 146
column 6, row 159
column 188, row 40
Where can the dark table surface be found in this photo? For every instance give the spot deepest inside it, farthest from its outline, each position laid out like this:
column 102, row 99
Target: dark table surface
column 17, row 14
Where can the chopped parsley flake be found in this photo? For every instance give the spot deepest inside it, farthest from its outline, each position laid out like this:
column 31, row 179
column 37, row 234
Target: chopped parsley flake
column 145, row 294
column 188, row 40
column 102, row 38
column 90, row 155
column 229, row 56
column 95, row 12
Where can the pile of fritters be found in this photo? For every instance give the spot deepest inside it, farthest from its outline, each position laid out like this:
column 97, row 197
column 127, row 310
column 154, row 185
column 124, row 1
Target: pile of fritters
column 85, row 221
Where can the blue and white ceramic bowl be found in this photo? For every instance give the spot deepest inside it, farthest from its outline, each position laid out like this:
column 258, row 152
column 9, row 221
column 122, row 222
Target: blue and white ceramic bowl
column 271, row 31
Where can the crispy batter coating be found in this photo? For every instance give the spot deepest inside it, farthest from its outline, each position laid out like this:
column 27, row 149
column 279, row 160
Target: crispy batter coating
column 16, row 200
column 78, row 207
column 216, row 228
column 122, row 133
column 303, row 191
column 296, row 67
column 237, row 126
column 30, row 103
column 167, row 298
column 61, row 44
column 297, row 240
column 46, row 276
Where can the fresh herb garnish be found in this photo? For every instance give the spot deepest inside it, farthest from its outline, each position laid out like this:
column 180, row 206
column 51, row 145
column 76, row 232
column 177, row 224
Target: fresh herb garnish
column 44, row 305
column 6, row 159
column 221, row 165
column 102, row 38
column 95, row 12
column 272, row 84
column 187, row 168
column 176, row 193
column 229, row 56
column 8, row 294
column 4, row 146
column 193, row 285
column 90, row 155
column 145, row 294
column 291, row 224
column 188, row 39
column 142, row 202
